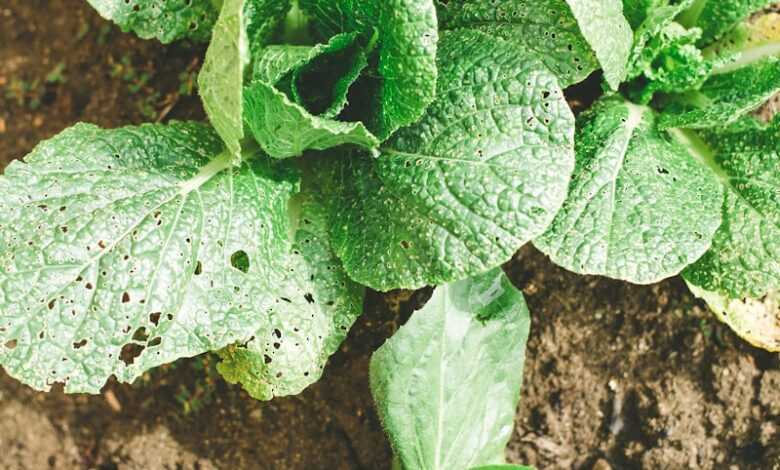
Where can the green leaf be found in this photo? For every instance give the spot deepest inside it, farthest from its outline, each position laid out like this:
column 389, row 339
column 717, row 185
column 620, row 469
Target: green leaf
column 284, row 128
column 547, row 30
column 321, row 300
column 757, row 320
column 744, row 260
column 407, row 38
column 653, row 36
column 222, row 77
column 605, row 28
column 166, row 20
column 318, row 78
column 121, row 250
column 751, row 42
column 638, row 11
column 263, row 19
column 724, row 98
column 717, row 17
column 483, row 172
column 447, row 383
column 221, row 80
column 640, row 208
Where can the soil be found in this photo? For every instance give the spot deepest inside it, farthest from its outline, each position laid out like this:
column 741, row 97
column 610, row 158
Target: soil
column 617, row 376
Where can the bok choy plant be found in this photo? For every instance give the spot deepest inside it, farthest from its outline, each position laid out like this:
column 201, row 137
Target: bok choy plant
column 391, row 144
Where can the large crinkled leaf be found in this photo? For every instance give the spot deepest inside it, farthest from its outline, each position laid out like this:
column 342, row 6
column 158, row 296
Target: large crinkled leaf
column 221, row 80
column 744, row 260
column 325, row 303
column 607, row 31
column 547, row 30
column 166, row 20
column 447, row 383
column 724, row 98
column 124, row 249
column 407, row 40
column 640, row 208
column 483, row 172
column 717, row 17
column 755, row 320
column 285, row 128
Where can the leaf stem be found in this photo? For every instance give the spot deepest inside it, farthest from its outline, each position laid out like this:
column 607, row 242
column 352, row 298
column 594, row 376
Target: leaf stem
column 215, row 166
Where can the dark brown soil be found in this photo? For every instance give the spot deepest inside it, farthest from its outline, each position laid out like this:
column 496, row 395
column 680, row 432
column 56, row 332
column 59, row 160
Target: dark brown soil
column 618, row 376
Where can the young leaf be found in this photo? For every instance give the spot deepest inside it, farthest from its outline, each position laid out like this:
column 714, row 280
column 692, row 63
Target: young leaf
column 166, row 20
column 744, row 260
column 605, row 28
column 221, row 80
column 755, row 320
column 717, row 17
column 315, row 308
column 546, row 30
column 286, row 129
column 483, row 172
column 724, row 98
column 407, row 37
column 447, row 383
column 640, row 208
column 124, row 249
column 669, row 62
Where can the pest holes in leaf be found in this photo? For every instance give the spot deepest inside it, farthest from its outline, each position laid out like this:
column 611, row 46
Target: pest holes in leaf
column 309, row 298
column 155, row 341
column 130, row 352
column 405, row 244
column 80, row 344
column 662, row 171
column 10, row 344
column 140, row 334
column 154, row 318
column 240, row 261
column 51, row 304
column 198, row 268
column 277, row 333
column 267, row 359
column 125, row 297
column 88, row 286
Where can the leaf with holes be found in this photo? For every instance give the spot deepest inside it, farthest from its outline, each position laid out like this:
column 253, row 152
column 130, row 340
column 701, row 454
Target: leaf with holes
column 447, row 383
column 640, row 208
column 483, row 172
column 563, row 49
column 607, row 31
column 404, row 80
column 757, row 320
column 744, row 260
column 273, row 360
column 145, row 244
column 166, row 20
column 287, row 124
column 724, row 98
